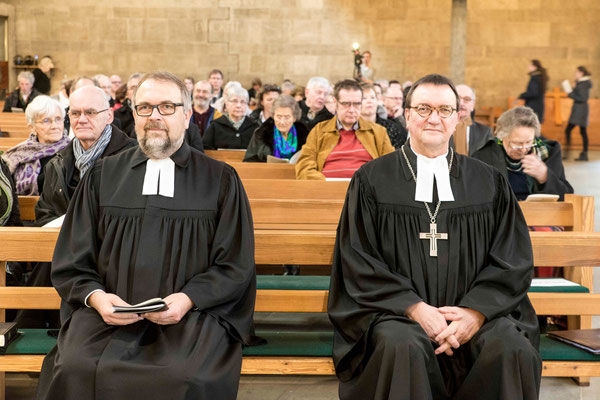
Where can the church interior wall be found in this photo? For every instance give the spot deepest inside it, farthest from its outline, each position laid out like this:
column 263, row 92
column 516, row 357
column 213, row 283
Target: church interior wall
column 297, row 39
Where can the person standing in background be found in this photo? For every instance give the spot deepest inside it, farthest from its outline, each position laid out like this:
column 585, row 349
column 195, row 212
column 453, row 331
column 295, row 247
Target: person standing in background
column 367, row 72
column 42, row 80
column 580, row 112
column 536, row 89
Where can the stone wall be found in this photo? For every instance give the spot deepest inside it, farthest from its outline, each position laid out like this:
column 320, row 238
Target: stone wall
column 296, row 39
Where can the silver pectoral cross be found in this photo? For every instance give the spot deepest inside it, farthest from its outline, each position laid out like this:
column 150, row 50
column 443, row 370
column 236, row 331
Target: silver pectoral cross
column 433, row 237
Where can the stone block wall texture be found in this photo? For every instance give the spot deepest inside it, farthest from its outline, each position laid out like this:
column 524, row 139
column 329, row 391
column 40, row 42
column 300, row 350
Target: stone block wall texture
column 297, row 39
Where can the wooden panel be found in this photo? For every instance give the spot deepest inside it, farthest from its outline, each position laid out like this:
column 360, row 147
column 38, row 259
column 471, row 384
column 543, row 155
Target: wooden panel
column 31, row 298
column 291, row 300
column 287, row 366
column 27, row 244
column 565, row 248
column 21, row 363
column 566, row 303
column 570, row 368
column 27, row 207
column 295, row 189
column 301, row 247
column 264, row 171
column 296, row 211
column 547, row 214
column 226, row 155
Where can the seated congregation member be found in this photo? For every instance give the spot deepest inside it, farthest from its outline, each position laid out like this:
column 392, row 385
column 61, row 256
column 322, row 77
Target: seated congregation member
column 95, row 138
column 23, row 95
column 532, row 165
column 253, row 91
column 313, row 106
column 432, row 264
column 475, row 135
column 338, row 147
column 265, row 97
column 193, row 248
column 203, row 113
column 124, row 114
column 9, row 203
column 27, row 160
column 281, row 136
column 396, row 132
column 215, row 77
column 234, row 129
column 393, row 100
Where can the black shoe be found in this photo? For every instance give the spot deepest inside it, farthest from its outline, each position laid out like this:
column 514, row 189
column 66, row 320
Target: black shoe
column 291, row 269
column 582, row 156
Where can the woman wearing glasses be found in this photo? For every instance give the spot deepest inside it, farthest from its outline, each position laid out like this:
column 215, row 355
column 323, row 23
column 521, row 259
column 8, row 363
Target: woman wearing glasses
column 281, row 136
column 45, row 116
column 532, row 165
column 234, row 129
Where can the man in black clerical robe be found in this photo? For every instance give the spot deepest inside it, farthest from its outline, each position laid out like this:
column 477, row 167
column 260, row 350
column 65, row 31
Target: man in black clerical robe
column 162, row 220
column 410, row 324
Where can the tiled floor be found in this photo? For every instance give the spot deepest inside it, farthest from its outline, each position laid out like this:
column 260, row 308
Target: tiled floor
column 583, row 177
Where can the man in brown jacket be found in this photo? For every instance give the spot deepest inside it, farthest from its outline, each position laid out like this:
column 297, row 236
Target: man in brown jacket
column 338, row 147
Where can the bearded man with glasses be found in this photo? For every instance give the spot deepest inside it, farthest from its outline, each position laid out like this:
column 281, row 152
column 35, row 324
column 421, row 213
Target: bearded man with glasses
column 432, row 262
column 336, row 148
column 159, row 221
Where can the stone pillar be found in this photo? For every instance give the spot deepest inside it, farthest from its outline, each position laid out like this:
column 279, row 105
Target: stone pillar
column 458, row 41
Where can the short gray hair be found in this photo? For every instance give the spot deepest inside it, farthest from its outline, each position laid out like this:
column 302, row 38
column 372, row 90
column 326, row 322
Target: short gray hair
column 42, row 106
column 515, row 118
column 470, row 88
column 287, row 101
column 236, row 91
column 164, row 76
column 318, row 81
column 26, row 75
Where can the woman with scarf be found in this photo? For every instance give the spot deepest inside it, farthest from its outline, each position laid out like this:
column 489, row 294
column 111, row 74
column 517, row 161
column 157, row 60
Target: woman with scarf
column 26, row 160
column 536, row 89
column 280, row 136
column 9, row 204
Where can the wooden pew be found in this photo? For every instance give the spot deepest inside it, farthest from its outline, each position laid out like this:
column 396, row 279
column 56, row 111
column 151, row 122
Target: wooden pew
column 9, row 142
column 264, row 170
column 227, row 155
column 15, row 124
column 315, row 248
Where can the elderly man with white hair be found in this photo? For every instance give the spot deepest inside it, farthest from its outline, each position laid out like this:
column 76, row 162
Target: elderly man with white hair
column 313, row 107
column 234, row 129
column 95, row 138
column 23, row 95
column 475, row 135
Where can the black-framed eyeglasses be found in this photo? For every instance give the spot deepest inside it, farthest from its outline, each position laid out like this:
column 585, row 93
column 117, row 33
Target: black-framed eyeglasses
column 146, row 110
column 425, row 110
column 76, row 114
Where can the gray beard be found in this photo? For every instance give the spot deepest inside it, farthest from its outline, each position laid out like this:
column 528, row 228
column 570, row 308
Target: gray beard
column 160, row 148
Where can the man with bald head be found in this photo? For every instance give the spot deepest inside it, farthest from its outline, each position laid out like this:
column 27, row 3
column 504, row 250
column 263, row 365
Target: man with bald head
column 477, row 135
column 95, row 138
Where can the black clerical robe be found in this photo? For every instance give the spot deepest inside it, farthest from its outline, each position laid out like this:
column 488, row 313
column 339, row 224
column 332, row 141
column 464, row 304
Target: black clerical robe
column 381, row 267
column 200, row 242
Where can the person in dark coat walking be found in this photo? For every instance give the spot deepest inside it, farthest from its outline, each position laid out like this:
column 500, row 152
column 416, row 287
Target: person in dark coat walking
column 281, row 135
column 580, row 113
column 536, row 89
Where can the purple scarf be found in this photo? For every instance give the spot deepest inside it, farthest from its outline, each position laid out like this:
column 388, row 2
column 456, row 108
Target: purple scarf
column 24, row 163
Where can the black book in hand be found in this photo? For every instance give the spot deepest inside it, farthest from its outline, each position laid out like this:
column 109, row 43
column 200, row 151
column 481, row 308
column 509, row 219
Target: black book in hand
column 156, row 304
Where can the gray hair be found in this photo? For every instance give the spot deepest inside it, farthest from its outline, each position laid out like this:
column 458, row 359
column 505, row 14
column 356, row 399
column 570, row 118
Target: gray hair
column 318, row 81
column 164, row 76
column 287, row 85
column 135, row 75
column 26, row 75
column 42, row 106
column 287, row 101
column 470, row 88
column 515, row 118
column 236, row 91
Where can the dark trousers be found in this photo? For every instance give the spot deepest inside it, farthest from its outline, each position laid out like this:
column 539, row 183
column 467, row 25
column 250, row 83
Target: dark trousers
column 584, row 136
